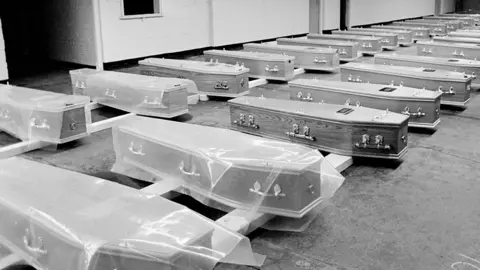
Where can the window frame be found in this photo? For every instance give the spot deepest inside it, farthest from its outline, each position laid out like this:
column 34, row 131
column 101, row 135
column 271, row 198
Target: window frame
column 158, row 8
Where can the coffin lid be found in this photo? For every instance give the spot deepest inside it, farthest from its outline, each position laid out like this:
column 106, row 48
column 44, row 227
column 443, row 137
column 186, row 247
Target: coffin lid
column 346, row 37
column 250, row 55
column 196, row 66
column 430, row 60
column 356, row 32
column 422, row 23
column 318, row 41
column 328, row 112
column 441, row 75
column 399, row 27
column 438, row 21
column 33, row 99
column 449, row 18
column 151, row 83
column 380, row 30
column 366, row 89
column 274, row 46
column 459, row 40
column 443, row 44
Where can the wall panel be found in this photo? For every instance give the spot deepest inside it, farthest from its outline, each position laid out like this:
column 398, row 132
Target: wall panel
column 332, row 14
column 447, row 6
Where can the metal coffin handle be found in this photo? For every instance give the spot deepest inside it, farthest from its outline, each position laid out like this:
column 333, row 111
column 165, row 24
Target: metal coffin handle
column 242, row 121
column 377, row 144
column 276, row 189
column 110, row 93
column 155, row 102
column 274, row 69
column 4, row 114
column 222, row 85
column 37, row 251
column 295, row 133
column 417, row 114
column 306, row 98
column 138, row 151
column 43, row 125
column 181, row 167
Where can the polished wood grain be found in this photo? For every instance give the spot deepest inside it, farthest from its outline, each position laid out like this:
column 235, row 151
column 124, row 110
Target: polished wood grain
column 405, row 37
column 388, row 39
column 365, row 44
column 347, row 50
column 445, row 49
column 418, row 33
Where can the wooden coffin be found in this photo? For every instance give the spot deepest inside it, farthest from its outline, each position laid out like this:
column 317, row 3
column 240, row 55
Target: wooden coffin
column 405, row 37
column 365, row 44
column 213, row 79
column 312, row 58
column 143, row 95
column 467, row 66
column 389, row 40
column 423, row 107
column 454, row 86
column 341, row 129
column 445, row 49
column 230, row 167
column 261, row 65
column 469, row 34
column 435, row 28
column 346, row 49
column 58, row 219
column 30, row 114
column 418, row 33
column 452, row 39
column 465, row 21
column 450, row 25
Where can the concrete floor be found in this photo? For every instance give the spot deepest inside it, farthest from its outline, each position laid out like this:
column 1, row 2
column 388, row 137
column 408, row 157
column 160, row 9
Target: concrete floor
column 422, row 213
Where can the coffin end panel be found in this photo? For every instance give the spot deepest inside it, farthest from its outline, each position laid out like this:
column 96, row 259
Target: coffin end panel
column 74, row 124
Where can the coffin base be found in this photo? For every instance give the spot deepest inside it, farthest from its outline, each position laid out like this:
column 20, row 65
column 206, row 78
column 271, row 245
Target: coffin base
column 425, row 125
column 226, row 94
column 455, row 103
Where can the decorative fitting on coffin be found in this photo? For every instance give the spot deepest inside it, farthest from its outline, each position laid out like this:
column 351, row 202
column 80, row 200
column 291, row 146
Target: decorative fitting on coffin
column 307, row 98
column 277, row 190
column 43, row 125
column 419, row 34
column 4, row 114
column 401, row 38
column 418, row 114
column 342, row 51
column 110, row 93
column 384, row 41
column 295, row 133
column 461, row 53
column 138, row 151
column 241, row 121
column 367, row 45
column 35, row 247
column 450, row 91
column 274, row 69
column 80, row 84
column 438, row 29
column 428, row 51
column 155, row 102
column 348, row 103
column 320, row 60
column 351, row 79
column 377, row 144
column 193, row 171
column 221, row 85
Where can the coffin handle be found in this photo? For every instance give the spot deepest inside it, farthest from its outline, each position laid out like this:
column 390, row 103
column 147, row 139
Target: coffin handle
column 136, row 151
column 419, row 112
column 320, row 60
column 4, row 114
column 295, row 133
column 377, row 144
column 306, row 98
column 43, row 125
column 155, row 102
column 274, row 69
column 276, row 189
column 110, row 93
column 181, row 167
column 38, row 251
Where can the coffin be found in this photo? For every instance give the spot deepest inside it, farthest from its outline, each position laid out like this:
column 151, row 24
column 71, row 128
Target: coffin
column 388, row 41
column 365, row 44
column 347, row 50
column 475, row 17
column 236, row 169
column 435, row 28
column 466, row 21
column 260, row 65
column 405, row 37
column 30, row 114
column 58, row 219
column 472, row 28
column 446, row 49
column 450, row 25
column 418, row 33
column 467, row 66
column 312, row 58
column 213, row 79
column 341, row 129
column 452, row 39
column 468, row 34
column 143, row 95
column 423, row 107
column 455, row 86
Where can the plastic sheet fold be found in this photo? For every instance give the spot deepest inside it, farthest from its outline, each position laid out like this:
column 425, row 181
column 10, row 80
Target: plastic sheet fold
column 57, row 219
column 226, row 169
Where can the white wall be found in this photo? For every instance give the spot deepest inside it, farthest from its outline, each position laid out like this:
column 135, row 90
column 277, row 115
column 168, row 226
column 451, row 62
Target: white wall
column 238, row 21
column 332, row 14
column 70, row 31
column 447, row 6
column 3, row 60
column 376, row 11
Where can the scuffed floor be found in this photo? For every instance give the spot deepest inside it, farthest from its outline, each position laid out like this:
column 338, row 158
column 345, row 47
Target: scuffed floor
column 423, row 213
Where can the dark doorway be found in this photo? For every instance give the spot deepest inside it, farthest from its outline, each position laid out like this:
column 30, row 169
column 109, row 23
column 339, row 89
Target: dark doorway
column 343, row 14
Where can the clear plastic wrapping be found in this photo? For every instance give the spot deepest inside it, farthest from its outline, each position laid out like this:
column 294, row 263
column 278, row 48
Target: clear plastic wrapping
column 57, row 219
column 221, row 167
column 30, row 114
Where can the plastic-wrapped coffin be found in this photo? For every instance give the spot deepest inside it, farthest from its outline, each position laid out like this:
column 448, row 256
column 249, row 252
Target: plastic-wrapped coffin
column 211, row 78
column 466, row 21
column 475, row 17
column 405, row 37
column 31, row 114
column 143, row 95
column 365, row 44
column 435, row 28
column 467, row 66
column 347, row 50
column 312, row 58
column 236, row 169
column 57, row 219
column 389, row 40
column 261, row 65
column 447, row 49
column 423, row 107
column 454, row 86
column 341, row 129
column 450, row 25
column 418, row 33
column 452, row 39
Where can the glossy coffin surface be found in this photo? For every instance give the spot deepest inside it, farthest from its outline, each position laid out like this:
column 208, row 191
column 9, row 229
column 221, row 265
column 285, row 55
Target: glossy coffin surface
column 233, row 168
column 451, row 25
column 342, row 129
column 467, row 66
column 31, row 114
column 446, row 49
column 365, row 44
column 389, row 40
column 57, row 219
column 435, row 28
column 313, row 58
column 347, row 50
column 405, row 37
column 454, row 86
column 213, row 79
column 261, row 65
column 423, row 107
column 144, row 95
column 418, row 33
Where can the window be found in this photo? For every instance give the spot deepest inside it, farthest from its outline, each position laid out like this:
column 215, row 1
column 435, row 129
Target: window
column 141, row 8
